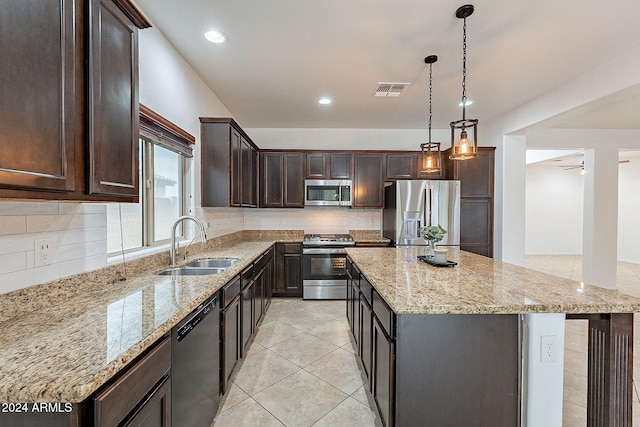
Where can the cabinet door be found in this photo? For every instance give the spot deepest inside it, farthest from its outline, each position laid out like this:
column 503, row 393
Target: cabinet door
column 400, row 166
column 246, row 176
column 367, row 181
column 38, row 102
column 113, row 101
column 288, row 264
column 156, row 411
column 254, row 177
column 293, row 274
column 366, row 336
column 476, row 226
column 258, row 298
column 293, row 182
column 476, row 175
column 316, row 166
column 340, row 166
column 235, row 168
column 383, row 373
column 271, row 190
column 246, row 309
column 230, row 341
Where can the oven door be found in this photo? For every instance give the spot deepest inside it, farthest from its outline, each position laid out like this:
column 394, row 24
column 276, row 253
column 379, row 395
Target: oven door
column 324, row 273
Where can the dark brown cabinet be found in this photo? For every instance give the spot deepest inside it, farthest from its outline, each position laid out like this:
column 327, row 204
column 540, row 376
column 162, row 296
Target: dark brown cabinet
column 228, row 168
column 288, row 265
column 38, row 106
column 141, row 396
column 230, row 332
column 328, row 165
column 113, row 101
column 281, row 179
column 400, row 166
column 368, row 183
column 64, row 126
column 476, row 200
column 246, row 310
column 382, row 372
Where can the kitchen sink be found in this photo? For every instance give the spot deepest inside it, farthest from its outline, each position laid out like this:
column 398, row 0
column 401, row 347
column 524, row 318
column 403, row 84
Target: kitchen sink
column 213, row 262
column 191, row 271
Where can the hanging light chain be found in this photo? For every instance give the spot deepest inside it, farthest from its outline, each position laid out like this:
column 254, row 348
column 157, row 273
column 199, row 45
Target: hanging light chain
column 430, row 91
column 464, row 68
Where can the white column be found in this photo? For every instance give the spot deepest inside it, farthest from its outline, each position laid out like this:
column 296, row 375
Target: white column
column 600, row 225
column 513, row 205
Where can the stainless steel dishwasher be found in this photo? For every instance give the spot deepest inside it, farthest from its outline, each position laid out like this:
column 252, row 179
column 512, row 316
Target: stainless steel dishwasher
column 195, row 366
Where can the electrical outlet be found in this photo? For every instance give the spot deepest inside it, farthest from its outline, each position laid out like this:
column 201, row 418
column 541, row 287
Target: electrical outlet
column 548, row 348
column 43, row 252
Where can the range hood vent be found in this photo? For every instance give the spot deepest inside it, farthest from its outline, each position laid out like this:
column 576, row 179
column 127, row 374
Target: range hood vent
column 390, row 89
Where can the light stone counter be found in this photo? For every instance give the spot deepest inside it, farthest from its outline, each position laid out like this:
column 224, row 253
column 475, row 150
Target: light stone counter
column 65, row 349
column 478, row 285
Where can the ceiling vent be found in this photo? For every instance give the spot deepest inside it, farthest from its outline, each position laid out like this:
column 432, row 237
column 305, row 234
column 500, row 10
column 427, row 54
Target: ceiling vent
column 390, row 89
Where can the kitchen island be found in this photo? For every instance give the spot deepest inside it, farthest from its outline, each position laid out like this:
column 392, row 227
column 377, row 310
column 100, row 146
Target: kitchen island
column 444, row 345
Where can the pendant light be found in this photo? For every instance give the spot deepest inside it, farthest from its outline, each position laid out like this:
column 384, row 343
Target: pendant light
column 466, row 148
column 431, row 156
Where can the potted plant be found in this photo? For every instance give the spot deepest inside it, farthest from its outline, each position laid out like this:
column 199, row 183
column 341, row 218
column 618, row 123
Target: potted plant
column 432, row 234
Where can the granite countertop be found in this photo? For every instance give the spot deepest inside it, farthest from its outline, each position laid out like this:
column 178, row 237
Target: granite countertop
column 478, row 285
column 64, row 349
column 368, row 236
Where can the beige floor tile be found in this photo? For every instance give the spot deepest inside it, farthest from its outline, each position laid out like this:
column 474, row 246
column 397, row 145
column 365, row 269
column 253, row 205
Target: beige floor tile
column 573, row 415
column 234, row 397
column 349, row 413
column 575, row 361
column 577, row 326
column 307, row 321
column 575, row 389
column 336, row 332
column 361, row 395
column 349, row 347
column 262, row 370
column 274, row 332
column 300, row 399
column 335, row 309
column 255, row 348
column 338, row 368
column 248, row 413
column 303, row 349
column 578, row 342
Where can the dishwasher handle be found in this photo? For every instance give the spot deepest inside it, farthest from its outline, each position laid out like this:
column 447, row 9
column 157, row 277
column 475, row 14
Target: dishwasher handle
column 197, row 317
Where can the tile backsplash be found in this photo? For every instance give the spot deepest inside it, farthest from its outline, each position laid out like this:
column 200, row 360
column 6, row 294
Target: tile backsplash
column 78, row 233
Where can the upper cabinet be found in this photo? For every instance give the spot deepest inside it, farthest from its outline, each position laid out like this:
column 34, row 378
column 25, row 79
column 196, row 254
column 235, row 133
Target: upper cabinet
column 328, row 165
column 228, row 166
column 38, row 74
column 281, row 182
column 400, row 166
column 68, row 132
column 368, row 183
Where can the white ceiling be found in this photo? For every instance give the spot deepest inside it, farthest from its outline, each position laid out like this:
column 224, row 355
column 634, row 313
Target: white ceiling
column 282, row 55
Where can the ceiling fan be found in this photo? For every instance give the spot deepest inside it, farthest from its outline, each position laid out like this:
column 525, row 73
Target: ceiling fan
column 580, row 165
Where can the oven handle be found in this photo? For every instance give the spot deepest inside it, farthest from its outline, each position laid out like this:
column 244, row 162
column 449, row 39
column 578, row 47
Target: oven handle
column 320, row 251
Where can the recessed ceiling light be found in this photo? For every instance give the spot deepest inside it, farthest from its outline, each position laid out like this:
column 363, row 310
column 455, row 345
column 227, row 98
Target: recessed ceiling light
column 468, row 102
column 215, row 36
column 324, row 101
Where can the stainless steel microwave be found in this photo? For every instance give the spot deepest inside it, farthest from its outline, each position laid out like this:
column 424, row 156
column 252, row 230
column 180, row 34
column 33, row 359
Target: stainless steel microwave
column 327, row 192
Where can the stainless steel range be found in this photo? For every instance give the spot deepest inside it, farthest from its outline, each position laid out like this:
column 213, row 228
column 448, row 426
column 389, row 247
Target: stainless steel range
column 324, row 262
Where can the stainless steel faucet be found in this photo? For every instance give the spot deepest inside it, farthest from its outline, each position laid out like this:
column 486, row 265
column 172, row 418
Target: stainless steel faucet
column 174, row 251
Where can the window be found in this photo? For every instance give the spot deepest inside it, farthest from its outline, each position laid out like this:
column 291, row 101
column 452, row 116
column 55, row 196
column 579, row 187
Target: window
column 164, row 149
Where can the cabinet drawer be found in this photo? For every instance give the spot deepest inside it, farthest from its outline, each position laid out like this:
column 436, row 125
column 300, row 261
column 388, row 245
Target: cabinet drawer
column 384, row 314
column 292, row 248
column 260, row 262
column 366, row 289
column 247, row 275
column 113, row 404
column 231, row 290
column 355, row 274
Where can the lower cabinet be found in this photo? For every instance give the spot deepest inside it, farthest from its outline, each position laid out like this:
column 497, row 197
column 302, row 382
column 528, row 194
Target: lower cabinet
column 382, row 372
column 246, row 308
column 230, row 332
column 436, row 369
column 288, row 275
column 142, row 395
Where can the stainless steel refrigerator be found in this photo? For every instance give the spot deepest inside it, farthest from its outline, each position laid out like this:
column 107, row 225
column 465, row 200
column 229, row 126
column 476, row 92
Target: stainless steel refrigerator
column 409, row 205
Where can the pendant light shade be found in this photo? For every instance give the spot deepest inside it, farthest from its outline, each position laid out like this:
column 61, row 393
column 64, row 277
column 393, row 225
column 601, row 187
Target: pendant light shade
column 430, row 154
column 467, row 146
